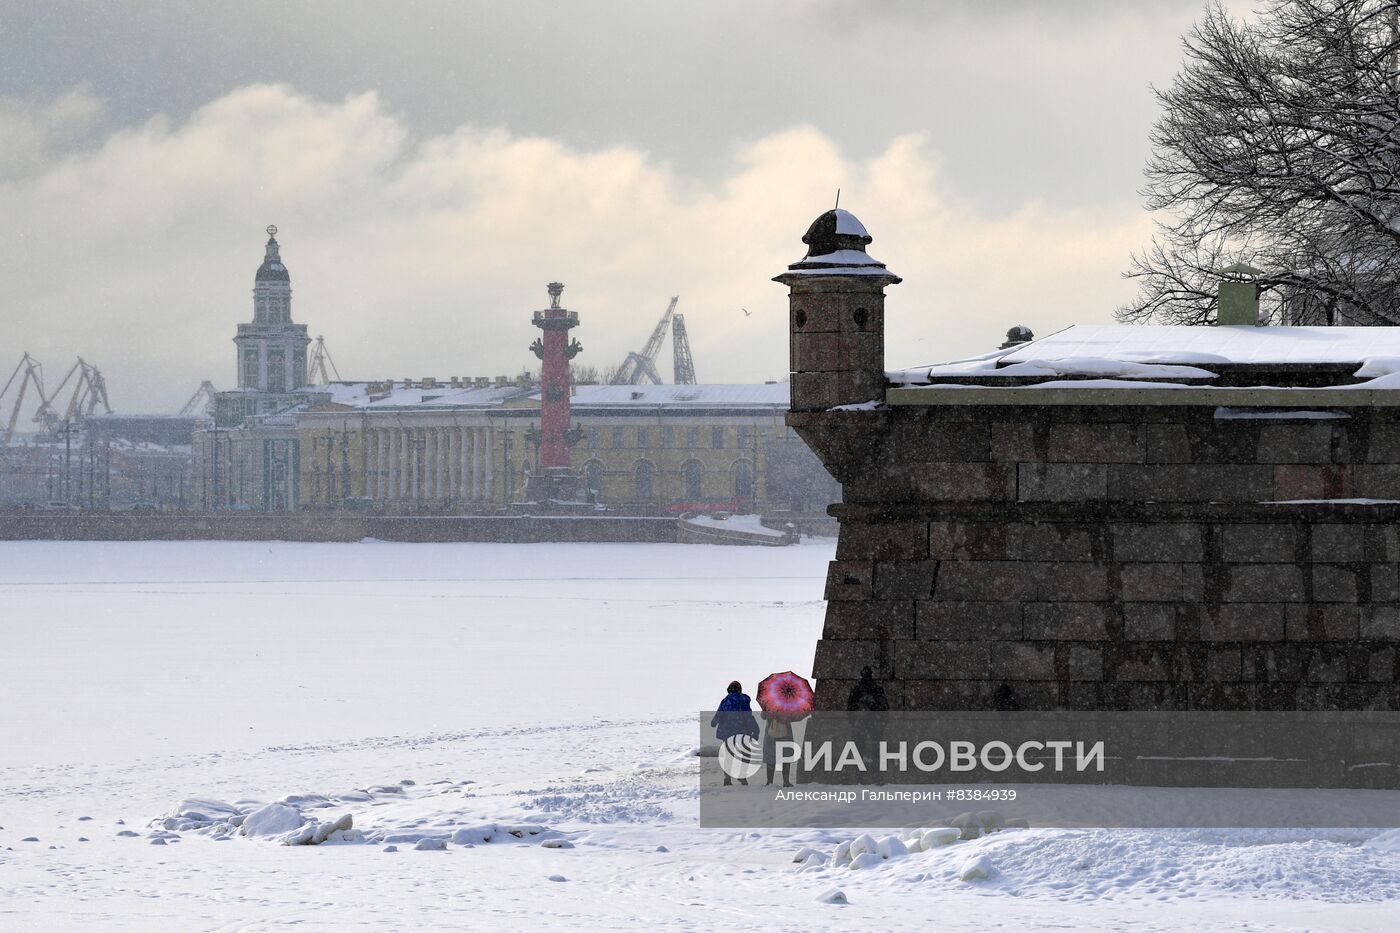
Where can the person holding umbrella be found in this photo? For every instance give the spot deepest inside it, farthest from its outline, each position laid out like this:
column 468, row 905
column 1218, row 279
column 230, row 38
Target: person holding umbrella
column 734, row 717
column 785, row 699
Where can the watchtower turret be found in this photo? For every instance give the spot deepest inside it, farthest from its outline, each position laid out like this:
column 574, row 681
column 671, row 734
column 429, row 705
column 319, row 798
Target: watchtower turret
column 836, row 316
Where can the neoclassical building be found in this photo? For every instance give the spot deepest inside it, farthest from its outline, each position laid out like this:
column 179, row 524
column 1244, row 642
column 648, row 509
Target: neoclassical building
column 469, row 445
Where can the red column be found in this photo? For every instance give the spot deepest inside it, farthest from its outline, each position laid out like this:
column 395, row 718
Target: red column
column 555, row 350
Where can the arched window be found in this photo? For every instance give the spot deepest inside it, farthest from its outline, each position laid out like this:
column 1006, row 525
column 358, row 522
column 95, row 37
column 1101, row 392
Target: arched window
column 593, row 478
column 641, row 479
column 692, row 480
column 743, row 479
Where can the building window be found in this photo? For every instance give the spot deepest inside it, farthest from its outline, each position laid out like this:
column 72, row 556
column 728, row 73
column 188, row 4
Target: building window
column 641, row 480
column 745, row 438
column 692, row 479
column 743, row 479
column 668, row 437
column 692, row 437
column 298, row 367
column 592, row 439
column 276, row 370
column 717, row 438
column 593, row 479
column 617, row 441
column 250, row 368
column 641, row 438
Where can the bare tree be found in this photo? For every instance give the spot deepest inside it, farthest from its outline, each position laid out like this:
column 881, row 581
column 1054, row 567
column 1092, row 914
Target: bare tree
column 582, row 374
column 1279, row 144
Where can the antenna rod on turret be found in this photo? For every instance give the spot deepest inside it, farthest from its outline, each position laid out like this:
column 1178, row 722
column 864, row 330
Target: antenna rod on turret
column 838, row 198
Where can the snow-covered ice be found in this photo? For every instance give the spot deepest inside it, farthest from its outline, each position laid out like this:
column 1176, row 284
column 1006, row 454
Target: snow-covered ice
column 494, row 718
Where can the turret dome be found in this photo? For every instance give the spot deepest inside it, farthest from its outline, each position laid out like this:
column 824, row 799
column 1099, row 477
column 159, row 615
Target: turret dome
column 272, row 269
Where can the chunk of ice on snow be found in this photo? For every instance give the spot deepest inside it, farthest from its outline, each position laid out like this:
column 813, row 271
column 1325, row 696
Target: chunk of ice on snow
column 557, row 878
column 975, row 869
column 862, row 844
column 891, row 847
column 275, row 819
column 866, row 860
column 941, row 836
column 834, row 896
column 431, row 845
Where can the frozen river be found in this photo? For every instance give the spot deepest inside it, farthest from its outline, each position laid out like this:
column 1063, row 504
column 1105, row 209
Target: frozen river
column 120, row 649
column 440, row 695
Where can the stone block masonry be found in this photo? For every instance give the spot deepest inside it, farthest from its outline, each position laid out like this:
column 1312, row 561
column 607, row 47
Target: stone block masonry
column 1111, row 557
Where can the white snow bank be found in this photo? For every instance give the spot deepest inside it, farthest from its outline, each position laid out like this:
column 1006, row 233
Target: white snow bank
column 749, row 524
column 285, row 822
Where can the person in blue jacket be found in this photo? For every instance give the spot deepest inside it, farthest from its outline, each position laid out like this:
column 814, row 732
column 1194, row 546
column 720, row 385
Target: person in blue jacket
column 734, row 717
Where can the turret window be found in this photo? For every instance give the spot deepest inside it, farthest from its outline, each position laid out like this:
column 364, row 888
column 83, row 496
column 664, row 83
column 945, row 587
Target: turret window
column 250, row 368
column 276, row 370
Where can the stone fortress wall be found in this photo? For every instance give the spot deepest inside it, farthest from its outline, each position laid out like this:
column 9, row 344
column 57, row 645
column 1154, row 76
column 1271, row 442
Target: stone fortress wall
column 1087, row 550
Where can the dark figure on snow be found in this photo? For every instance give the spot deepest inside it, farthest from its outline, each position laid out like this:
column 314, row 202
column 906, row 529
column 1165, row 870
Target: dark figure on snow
column 777, row 730
column 734, row 717
column 868, row 701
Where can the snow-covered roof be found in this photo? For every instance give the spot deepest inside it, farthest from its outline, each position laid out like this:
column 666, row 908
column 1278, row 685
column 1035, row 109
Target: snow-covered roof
column 836, row 244
column 847, row 223
column 766, row 395
column 357, row 395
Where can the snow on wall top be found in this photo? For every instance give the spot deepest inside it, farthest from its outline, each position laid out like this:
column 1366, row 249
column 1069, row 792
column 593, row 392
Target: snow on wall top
column 1241, row 344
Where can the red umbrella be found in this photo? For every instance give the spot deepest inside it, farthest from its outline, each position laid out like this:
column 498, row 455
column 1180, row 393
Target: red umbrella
column 785, row 696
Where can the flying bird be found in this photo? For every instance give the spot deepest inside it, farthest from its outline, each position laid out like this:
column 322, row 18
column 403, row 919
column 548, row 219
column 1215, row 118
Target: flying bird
column 747, row 312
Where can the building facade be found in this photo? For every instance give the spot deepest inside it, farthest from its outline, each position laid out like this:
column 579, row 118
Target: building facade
column 470, row 445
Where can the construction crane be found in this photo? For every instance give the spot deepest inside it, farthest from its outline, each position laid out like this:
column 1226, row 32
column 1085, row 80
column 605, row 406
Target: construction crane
column 202, row 402
column 639, row 366
column 89, row 390
column 28, row 372
column 680, row 352
column 320, row 359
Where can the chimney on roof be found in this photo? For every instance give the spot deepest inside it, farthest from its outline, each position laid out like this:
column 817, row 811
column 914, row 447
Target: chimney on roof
column 502, row 381
column 1238, row 297
column 1017, row 335
column 429, row 382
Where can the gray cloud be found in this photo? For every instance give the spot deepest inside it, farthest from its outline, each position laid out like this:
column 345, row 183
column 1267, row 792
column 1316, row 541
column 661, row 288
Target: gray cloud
column 424, row 254
column 1012, row 108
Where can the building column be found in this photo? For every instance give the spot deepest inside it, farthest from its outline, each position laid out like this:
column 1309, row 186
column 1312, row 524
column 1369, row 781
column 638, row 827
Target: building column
column 459, row 464
column 379, row 462
column 416, row 465
column 430, row 457
column 474, row 440
column 440, row 489
column 385, row 478
column 402, row 462
column 486, row 457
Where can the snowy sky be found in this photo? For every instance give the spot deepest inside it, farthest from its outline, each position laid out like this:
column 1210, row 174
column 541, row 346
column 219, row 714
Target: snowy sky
column 433, row 164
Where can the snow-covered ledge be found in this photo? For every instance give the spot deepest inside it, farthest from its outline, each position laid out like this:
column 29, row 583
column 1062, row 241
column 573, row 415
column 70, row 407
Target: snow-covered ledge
column 1118, row 392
